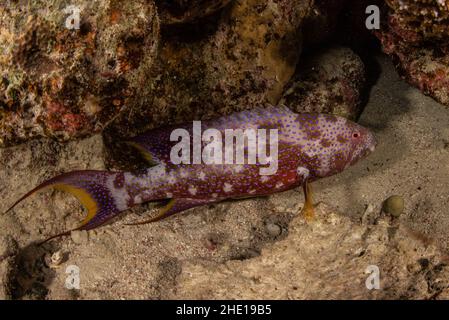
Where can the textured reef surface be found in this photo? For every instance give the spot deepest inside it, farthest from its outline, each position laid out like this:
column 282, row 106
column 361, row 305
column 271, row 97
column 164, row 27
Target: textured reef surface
column 66, row 83
column 416, row 35
column 329, row 81
column 182, row 11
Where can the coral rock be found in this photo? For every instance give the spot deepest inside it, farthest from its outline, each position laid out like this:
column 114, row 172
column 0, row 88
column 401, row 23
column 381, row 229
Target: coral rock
column 62, row 82
column 416, row 36
column 418, row 20
column 425, row 67
column 322, row 21
column 329, row 81
column 8, row 252
column 182, row 11
column 240, row 61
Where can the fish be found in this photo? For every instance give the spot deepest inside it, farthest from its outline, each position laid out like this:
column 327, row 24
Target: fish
column 308, row 147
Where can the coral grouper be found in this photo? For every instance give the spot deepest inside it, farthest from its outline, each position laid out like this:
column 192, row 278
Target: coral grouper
column 307, row 147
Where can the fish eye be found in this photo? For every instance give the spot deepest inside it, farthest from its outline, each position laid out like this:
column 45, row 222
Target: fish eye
column 356, row 135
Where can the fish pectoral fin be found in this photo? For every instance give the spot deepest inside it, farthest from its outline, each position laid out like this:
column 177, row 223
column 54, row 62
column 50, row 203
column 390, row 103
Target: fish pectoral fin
column 175, row 206
column 147, row 155
column 155, row 145
column 308, row 211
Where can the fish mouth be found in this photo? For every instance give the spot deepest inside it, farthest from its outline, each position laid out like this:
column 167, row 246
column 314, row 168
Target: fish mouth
column 372, row 142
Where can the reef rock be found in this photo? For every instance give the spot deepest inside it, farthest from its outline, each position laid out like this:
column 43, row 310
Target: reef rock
column 183, row 11
column 328, row 81
column 331, row 258
column 425, row 67
column 64, row 79
column 416, row 36
column 239, row 61
column 8, row 252
column 322, row 21
column 420, row 20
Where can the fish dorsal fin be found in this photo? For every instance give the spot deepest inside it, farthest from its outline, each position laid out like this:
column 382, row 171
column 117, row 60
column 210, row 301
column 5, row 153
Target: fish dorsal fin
column 155, row 144
column 252, row 117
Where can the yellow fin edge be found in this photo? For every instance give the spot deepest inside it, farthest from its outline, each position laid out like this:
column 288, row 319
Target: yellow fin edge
column 85, row 198
column 161, row 214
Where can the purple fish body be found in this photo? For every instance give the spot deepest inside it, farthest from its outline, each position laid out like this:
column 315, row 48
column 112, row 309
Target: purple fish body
column 308, row 147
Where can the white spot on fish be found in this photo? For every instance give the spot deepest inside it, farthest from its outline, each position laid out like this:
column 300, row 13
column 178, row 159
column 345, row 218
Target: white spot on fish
column 171, row 179
column 184, row 173
column 302, row 172
column 169, row 195
column 279, row 185
column 120, row 195
column 252, row 191
column 192, row 190
column 264, row 179
column 202, row 176
column 227, row 187
column 214, row 195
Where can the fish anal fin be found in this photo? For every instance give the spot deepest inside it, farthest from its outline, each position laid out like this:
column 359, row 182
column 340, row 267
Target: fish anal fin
column 175, row 206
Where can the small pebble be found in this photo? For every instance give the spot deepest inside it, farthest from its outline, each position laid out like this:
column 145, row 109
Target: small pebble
column 273, row 229
column 55, row 260
column 8, row 246
column 57, row 257
column 394, row 205
column 280, row 209
column 79, row 236
column 367, row 217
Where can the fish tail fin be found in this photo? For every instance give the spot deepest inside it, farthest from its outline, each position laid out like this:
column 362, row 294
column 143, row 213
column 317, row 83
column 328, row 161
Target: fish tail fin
column 101, row 193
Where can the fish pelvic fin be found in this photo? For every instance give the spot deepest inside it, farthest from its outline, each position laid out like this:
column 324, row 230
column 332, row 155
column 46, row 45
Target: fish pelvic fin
column 93, row 191
column 308, row 211
column 175, row 206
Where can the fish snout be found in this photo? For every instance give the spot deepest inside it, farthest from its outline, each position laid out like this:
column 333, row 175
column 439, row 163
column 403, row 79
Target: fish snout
column 371, row 141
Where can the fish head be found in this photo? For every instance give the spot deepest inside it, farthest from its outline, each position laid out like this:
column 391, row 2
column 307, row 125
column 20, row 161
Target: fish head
column 337, row 144
column 362, row 142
